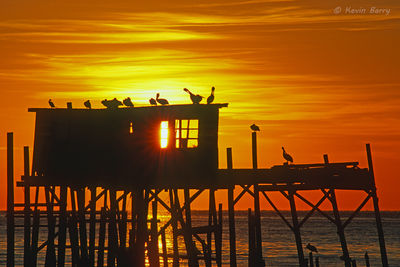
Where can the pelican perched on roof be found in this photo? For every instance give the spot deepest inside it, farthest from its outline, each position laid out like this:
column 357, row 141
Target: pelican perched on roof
column 112, row 104
column 153, row 102
column 87, row 104
column 196, row 99
column 210, row 99
column 255, row 128
column 161, row 101
column 128, row 102
column 287, row 156
column 51, row 104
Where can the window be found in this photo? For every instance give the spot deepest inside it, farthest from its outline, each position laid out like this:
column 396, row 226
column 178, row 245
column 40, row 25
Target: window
column 164, row 134
column 187, row 133
column 131, row 128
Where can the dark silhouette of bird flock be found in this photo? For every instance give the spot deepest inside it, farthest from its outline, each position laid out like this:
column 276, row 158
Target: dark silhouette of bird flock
column 115, row 103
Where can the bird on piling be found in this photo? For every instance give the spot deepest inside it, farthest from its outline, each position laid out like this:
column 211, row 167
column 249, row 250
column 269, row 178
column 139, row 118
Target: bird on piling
column 51, row 104
column 88, row 104
column 288, row 158
column 153, row 102
column 128, row 102
column 210, row 99
column 161, row 101
column 254, row 128
column 196, row 99
column 311, row 248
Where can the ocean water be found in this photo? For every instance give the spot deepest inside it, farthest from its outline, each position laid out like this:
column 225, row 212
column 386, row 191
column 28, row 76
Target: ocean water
column 278, row 243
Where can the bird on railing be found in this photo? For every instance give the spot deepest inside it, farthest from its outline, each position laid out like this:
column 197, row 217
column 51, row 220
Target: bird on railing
column 254, row 128
column 210, row 99
column 311, row 248
column 51, row 104
column 161, row 101
column 111, row 104
column 196, row 99
column 128, row 102
column 153, row 102
column 286, row 156
column 88, row 104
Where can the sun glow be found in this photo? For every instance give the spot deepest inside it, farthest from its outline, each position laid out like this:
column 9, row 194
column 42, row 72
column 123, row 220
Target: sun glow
column 164, row 134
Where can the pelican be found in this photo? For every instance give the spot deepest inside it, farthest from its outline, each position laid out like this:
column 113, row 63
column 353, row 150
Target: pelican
column 127, row 102
column 51, row 104
column 255, row 128
column 153, row 102
column 210, row 99
column 111, row 104
column 196, row 99
column 288, row 158
column 161, row 101
column 88, row 104
column 311, row 248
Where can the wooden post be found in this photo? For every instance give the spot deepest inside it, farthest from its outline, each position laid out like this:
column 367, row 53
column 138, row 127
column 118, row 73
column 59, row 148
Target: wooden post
column 378, row 220
column 82, row 226
column 27, row 210
column 254, row 149
column 317, row 261
column 92, row 225
column 251, row 259
column 62, row 229
column 257, row 225
column 231, row 213
column 10, row 201
column 338, row 222
column 153, row 252
column 164, row 248
column 102, row 237
column 366, row 257
column 310, row 259
column 218, row 247
column 112, row 230
column 174, row 223
column 35, row 235
column 50, row 252
column 141, row 234
column 193, row 261
column 296, row 228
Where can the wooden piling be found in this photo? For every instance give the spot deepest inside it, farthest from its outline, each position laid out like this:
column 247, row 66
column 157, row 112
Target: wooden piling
column 231, row 213
column 174, row 222
column 102, row 237
column 251, row 233
column 112, row 230
column 366, row 257
column 378, row 219
column 310, row 259
column 164, row 248
column 82, row 226
column 27, row 211
column 62, row 228
column 92, row 225
column 10, row 201
column 188, row 237
column 338, row 222
column 218, row 241
column 153, row 251
column 296, row 228
column 35, row 236
column 141, row 234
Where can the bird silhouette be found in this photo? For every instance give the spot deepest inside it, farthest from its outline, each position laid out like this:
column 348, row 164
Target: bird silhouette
column 255, row 128
column 161, row 101
column 311, row 248
column 153, row 102
column 127, row 102
column 88, row 104
column 51, row 104
column 287, row 156
column 210, row 99
column 111, row 104
column 196, row 99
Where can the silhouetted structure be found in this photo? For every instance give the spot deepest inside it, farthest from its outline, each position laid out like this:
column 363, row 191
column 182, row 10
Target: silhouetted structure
column 87, row 164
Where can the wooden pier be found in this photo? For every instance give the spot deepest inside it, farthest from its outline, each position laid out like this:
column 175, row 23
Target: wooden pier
column 118, row 225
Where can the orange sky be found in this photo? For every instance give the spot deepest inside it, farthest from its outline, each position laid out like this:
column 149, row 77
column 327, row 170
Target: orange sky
column 314, row 81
